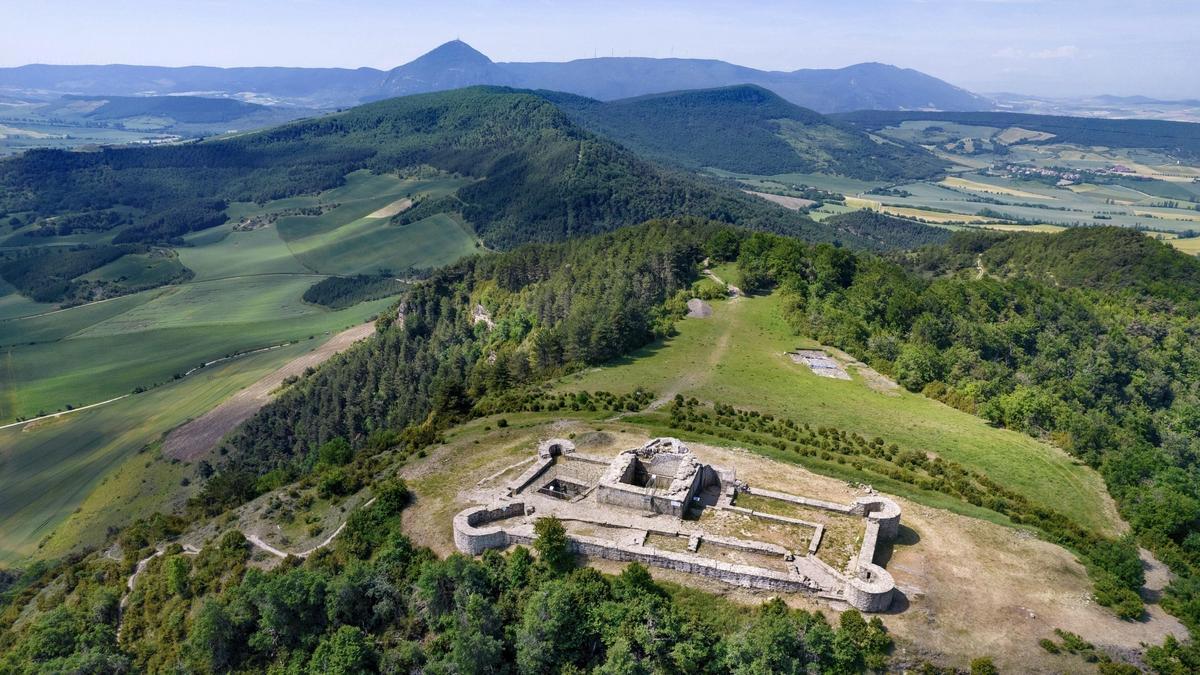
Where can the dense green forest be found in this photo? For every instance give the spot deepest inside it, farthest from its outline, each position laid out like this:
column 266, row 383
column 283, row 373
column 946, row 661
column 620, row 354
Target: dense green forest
column 745, row 129
column 339, row 292
column 878, row 226
column 376, row 603
column 1104, row 258
column 47, row 274
column 540, row 177
column 1182, row 138
column 557, row 306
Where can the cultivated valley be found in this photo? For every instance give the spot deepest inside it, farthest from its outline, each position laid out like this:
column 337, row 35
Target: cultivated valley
column 614, row 365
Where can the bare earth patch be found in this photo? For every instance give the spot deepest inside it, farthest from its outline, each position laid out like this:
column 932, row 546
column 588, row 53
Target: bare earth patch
column 873, row 378
column 1013, row 135
column 794, row 203
column 698, row 309
column 192, row 440
column 396, row 207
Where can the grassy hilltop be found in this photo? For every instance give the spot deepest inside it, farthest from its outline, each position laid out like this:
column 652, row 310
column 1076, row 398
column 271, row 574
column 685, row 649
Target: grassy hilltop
column 582, row 331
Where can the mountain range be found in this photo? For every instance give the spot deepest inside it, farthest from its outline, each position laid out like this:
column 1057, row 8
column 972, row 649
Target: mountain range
column 456, row 64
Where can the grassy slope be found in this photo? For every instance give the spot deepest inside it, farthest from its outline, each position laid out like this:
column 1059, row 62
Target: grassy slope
column 737, row 357
column 171, row 333
column 50, row 470
column 246, row 294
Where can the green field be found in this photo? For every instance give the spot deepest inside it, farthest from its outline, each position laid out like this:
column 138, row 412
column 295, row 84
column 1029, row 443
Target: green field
column 245, row 294
column 738, row 357
column 142, row 269
column 1160, row 193
column 63, row 469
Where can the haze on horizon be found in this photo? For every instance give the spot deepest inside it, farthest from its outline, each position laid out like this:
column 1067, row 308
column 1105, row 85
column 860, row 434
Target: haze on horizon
column 1042, row 47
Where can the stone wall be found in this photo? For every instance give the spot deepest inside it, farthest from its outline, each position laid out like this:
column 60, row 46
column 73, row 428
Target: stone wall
column 871, row 590
column 530, row 475
column 802, row 501
column 880, row 510
column 870, row 587
column 473, row 535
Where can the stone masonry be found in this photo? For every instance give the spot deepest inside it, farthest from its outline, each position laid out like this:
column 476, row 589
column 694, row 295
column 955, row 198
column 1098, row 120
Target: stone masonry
column 648, row 494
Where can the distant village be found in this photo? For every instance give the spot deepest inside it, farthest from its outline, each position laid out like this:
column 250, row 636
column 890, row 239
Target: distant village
column 1056, row 175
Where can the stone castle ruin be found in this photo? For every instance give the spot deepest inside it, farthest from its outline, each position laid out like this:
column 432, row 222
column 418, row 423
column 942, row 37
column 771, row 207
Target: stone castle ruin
column 660, row 505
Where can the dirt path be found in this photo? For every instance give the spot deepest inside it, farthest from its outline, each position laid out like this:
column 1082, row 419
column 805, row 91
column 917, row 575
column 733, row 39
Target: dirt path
column 188, row 549
column 734, row 291
column 693, row 377
column 192, row 440
column 278, row 553
column 254, row 539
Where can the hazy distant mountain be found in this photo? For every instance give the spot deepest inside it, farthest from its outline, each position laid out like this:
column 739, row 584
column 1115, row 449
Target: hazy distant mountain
column 455, row 64
column 745, row 129
column 859, row 87
column 866, row 86
column 314, row 87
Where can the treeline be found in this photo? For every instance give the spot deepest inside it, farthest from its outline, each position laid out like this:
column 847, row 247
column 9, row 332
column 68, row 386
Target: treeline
column 1108, row 258
column 340, row 292
column 1108, row 367
column 556, row 306
column 171, row 223
column 46, row 274
column 374, row 602
column 896, row 232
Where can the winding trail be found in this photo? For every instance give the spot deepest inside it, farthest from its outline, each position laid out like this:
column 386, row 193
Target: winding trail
column 257, row 541
column 189, row 549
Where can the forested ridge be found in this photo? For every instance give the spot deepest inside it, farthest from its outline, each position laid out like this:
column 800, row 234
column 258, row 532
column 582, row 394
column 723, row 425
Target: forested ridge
column 541, row 177
column 538, row 177
column 746, row 129
column 881, row 227
column 1102, row 364
column 557, row 306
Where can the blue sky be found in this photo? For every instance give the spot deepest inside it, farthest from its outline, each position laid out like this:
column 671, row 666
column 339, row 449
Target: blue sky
column 1047, row 47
